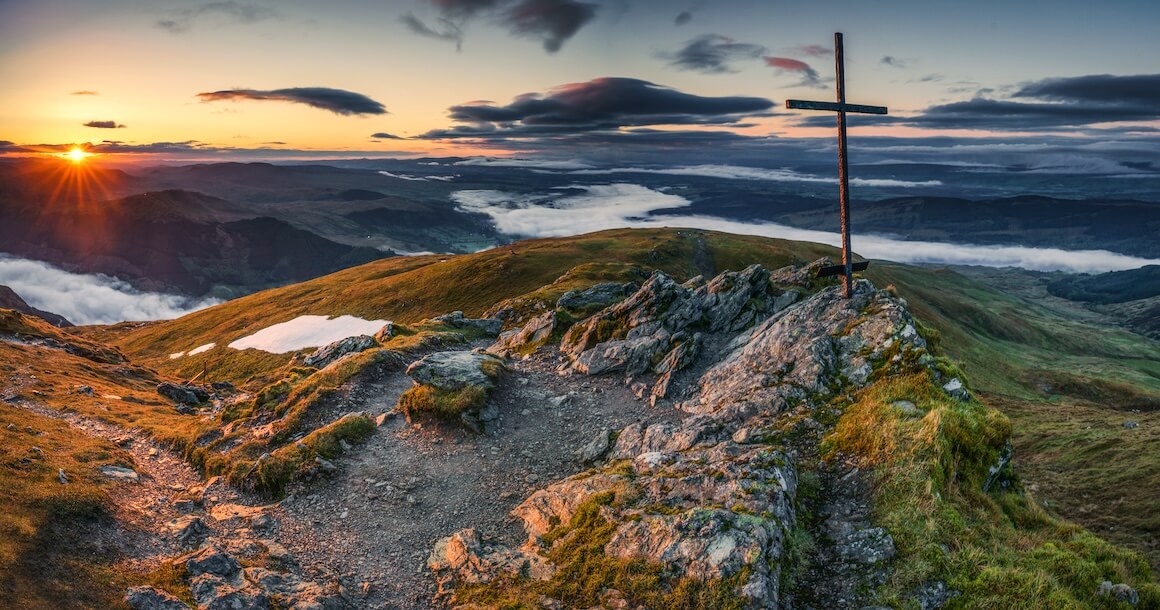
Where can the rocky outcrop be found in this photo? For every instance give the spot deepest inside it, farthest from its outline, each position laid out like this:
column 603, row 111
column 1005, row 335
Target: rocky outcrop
column 465, row 557
column 219, row 581
column 149, row 598
column 709, row 497
column 581, row 303
column 526, row 339
column 333, row 351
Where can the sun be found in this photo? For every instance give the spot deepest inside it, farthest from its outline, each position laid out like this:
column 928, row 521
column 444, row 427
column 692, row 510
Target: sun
column 77, row 154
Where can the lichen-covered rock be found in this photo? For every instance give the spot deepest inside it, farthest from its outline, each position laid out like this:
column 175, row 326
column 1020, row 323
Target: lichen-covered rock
column 555, row 504
column 808, row 350
column 333, row 351
column 455, row 370
column 210, row 560
column 465, row 557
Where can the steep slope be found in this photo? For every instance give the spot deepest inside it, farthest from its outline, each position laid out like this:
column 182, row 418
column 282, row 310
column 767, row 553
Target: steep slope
column 10, row 300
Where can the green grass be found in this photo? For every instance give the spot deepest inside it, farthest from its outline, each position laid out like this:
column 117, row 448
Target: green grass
column 1000, row 550
column 271, row 475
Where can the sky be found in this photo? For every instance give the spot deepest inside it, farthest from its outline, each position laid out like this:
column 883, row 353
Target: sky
column 160, row 80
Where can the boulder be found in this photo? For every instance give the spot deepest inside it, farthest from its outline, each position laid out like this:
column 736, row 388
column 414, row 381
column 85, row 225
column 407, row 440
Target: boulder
column 333, row 351
column 210, row 560
column 456, row 319
column 183, row 394
column 465, row 557
column 149, row 598
column 456, row 370
column 538, row 331
column 1119, row 592
column 119, row 473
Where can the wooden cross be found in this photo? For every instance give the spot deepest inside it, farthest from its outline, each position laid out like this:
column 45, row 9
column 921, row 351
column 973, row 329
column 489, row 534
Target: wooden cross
column 847, row 267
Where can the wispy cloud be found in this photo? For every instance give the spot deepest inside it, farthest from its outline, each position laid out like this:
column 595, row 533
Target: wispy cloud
column 85, row 92
column 90, row 298
column 104, row 125
column 808, row 75
column 812, row 50
column 338, row 101
column 448, row 29
column 382, row 135
column 183, row 20
column 894, row 62
column 712, row 54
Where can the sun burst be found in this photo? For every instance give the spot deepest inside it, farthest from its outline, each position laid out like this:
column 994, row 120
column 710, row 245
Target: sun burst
column 77, row 154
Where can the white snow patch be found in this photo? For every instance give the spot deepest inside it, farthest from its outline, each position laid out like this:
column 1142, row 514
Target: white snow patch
column 201, row 348
column 307, row 331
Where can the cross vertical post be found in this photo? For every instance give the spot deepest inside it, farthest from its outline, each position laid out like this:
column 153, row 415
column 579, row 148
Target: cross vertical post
column 841, row 107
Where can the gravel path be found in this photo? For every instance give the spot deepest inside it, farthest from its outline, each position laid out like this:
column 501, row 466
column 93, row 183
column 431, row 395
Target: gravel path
column 375, row 522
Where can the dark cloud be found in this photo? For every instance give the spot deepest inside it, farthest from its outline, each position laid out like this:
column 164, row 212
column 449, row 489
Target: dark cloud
column 449, row 30
column 683, row 17
column 337, row 101
column 382, row 135
column 104, row 124
column 182, row 21
column 1140, row 89
column 84, row 92
column 894, row 62
column 552, row 21
column 274, row 143
column 599, row 104
column 808, row 75
column 712, row 54
column 812, row 50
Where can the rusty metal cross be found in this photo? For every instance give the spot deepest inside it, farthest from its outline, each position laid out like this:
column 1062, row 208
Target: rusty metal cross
column 848, row 267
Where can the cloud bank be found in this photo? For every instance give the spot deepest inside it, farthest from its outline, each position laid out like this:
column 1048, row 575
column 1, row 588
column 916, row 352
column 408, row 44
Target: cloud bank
column 587, row 208
column 598, row 104
column 338, row 101
column 735, row 172
column 90, row 298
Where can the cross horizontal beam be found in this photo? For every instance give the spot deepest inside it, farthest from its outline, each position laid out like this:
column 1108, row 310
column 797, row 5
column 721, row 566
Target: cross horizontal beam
column 840, row 269
column 834, row 107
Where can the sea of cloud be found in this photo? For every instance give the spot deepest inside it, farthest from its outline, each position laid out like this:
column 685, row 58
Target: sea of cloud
column 739, row 172
column 90, row 298
column 419, row 178
column 585, row 208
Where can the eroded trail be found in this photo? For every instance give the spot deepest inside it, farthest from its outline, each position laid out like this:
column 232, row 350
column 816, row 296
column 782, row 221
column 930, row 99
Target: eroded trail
column 374, row 523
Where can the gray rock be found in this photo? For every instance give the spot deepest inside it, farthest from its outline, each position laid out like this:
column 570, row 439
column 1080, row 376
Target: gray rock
column 86, row 390
column 119, row 473
column 596, row 448
column 907, row 408
column 538, row 331
column 456, row 319
column 183, row 394
column 1129, row 424
column 333, row 351
column 998, row 472
column 934, row 594
column 465, row 557
column 583, row 302
column 1119, row 592
column 454, row 370
column 210, row 560
column 867, row 546
column 191, row 531
column 955, row 389
column 149, row 598
column 385, row 333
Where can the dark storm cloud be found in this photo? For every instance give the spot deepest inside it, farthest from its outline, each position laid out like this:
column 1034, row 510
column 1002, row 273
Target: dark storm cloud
column 602, row 103
column 382, row 135
column 338, row 101
column 712, row 54
column 1141, row 89
column 449, row 30
column 182, row 21
column 808, row 75
column 84, row 92
column 104, row 124
column 552, row 22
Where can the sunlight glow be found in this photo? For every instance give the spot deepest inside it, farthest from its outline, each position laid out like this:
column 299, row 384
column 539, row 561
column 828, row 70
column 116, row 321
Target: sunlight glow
column 77, row 154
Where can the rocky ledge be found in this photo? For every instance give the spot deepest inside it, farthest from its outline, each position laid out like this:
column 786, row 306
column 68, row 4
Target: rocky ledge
column 712, row 498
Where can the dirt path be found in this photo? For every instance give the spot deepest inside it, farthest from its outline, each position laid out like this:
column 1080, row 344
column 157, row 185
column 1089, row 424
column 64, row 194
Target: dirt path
column 375, row 523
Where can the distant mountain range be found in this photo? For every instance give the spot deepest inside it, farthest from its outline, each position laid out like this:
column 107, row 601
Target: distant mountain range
column 232, row 228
